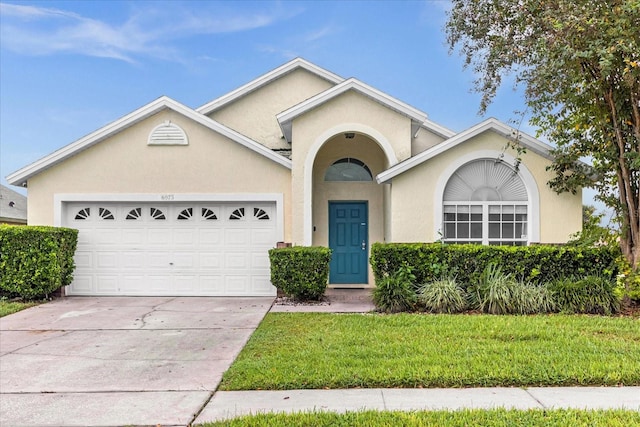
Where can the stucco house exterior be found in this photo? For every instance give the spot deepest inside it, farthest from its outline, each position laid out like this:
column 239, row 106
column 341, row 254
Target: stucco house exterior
column 171, row 200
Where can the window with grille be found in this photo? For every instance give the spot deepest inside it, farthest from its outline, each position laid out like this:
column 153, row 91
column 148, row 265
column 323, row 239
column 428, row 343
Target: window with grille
column 485, row 202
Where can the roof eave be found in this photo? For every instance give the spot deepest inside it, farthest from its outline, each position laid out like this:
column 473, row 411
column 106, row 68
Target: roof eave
column 286, row 117
column 21, row 176
column 490, row 124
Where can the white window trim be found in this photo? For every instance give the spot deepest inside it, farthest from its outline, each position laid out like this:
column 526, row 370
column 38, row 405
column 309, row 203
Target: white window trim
column 533, row 196
column 485, row 221
column 59, row 200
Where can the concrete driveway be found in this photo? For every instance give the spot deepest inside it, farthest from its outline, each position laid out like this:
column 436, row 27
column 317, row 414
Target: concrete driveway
column 114, row 361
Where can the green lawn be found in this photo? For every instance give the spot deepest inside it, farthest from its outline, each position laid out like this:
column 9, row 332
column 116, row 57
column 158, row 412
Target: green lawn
column 463, row 418
column 10, row 307
column 318, row 350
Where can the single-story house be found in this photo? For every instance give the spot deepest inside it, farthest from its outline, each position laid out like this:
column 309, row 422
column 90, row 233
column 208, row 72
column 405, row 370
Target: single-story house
column 171, row 200
column 13, row 207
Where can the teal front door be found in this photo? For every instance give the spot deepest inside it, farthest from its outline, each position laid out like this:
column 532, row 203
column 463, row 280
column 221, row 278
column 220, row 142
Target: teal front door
column 348, row 238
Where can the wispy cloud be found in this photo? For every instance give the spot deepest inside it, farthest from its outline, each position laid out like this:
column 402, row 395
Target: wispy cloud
column 34, row 30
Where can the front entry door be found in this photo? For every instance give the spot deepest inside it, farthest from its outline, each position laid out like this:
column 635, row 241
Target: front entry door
column 348, row 238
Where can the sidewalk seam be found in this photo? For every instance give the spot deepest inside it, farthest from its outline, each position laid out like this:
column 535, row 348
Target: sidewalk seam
column 526, row 390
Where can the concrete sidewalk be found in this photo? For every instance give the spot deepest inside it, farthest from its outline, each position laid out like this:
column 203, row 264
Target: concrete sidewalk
column 230, row 404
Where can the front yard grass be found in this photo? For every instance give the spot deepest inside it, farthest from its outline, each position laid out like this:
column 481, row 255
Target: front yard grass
column 319, row 350
column 463, row 418
column 10, row 307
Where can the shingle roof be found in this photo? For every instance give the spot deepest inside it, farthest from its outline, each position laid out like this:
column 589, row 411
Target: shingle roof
column 13, row 206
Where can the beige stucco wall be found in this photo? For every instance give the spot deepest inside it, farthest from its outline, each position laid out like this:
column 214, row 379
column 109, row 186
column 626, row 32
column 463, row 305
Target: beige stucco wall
column 124, row 163
column 347, row 112
column 424, row 140
column 413, row 195
column 254, row 115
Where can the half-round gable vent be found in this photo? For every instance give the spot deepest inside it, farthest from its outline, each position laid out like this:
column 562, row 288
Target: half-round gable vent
column 168, row 134
column 485, row 180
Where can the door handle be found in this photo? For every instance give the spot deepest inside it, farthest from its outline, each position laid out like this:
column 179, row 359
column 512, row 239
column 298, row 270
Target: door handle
column 364, row 245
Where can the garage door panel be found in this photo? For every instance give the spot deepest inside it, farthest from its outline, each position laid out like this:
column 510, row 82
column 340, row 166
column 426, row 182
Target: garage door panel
column 134, row 236
column 107, row 284
column 83, row 283
column 107, row 260
column 184, row 237
column 145, row 249
column 262, row 237
column 236, row 261
column 159, row 236
column 210, row 237
column 185, row 260
column 212, row 284
column 133, row 259
column 187, row 284
column 259, row 260
column 237, row 284
column 211, row 260
column 261, row 284
column 106, row 237
column 132, row 284
column 83, row 260
column 159, row 260
column 160, row 284
column 236, row 237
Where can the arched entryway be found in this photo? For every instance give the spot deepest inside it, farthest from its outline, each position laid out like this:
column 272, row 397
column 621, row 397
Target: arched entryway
column 348, row 205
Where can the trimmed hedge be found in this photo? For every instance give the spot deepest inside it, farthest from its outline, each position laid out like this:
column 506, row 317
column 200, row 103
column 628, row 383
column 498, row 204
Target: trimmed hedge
column 537, row 264
column 300, row 271
column 35, row 261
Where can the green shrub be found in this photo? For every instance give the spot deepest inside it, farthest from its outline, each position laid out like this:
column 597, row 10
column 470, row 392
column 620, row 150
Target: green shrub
column 494, row 291
column 443, row 296
column 593, row 294
column 533, row 299
column 300, row 271
column 35, row 261
column 499, row 293
column 396, row 292
column 535, row 264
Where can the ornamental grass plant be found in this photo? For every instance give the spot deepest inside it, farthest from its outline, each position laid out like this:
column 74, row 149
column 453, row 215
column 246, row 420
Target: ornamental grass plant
column 442, row 296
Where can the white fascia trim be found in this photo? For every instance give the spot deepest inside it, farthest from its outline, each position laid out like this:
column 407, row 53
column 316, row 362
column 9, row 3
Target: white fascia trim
column 21, row 176
column 60, row 198
column 438, row 129
column 533, row 194
column 490, row 124
column 290, row 66
column 287, row 116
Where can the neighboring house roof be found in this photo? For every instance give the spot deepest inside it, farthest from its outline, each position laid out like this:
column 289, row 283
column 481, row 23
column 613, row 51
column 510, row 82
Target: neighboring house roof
column 490, row 124
column 286, row 117
column 21, row 176
column 13, row 206
column 297, row 63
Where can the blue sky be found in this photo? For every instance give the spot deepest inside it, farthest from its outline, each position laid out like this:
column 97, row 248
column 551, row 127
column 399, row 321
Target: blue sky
column 68, row 68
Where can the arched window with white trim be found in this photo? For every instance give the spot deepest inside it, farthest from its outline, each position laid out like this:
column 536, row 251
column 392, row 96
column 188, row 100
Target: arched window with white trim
column 485, row 202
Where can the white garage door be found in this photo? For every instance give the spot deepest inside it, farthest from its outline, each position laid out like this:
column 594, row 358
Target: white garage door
column 172, row 249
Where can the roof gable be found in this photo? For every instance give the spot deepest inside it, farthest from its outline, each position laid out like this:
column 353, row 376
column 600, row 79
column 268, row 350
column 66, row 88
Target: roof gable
column 13, row 205
column 490, row 124
column 286, row 118
column 21, row 176
column 265, row 79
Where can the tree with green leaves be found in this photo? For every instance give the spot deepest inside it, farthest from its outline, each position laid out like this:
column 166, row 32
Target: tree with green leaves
column 579, row 63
